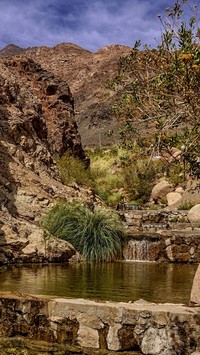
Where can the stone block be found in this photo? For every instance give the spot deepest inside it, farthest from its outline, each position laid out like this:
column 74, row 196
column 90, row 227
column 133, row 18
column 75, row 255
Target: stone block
column 112, row 337
column 156, row 341
column 88, row 337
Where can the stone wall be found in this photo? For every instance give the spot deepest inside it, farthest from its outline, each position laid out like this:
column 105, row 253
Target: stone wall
column 163, row 329
column 170, row 246
column 149, row 220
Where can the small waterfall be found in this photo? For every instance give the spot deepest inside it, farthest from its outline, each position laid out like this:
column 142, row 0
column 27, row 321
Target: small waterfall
column 137, row 250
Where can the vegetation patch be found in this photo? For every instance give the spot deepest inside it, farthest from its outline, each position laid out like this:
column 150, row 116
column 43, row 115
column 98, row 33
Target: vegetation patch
column 159, row 109
column 160, row 101
column 72, row 169
column 96, row 234
column 186, row 206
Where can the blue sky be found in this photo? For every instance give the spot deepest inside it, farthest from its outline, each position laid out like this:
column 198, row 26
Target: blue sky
column 90, row 24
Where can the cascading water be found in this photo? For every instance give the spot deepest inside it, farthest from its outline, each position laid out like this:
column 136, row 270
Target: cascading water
column 137, row 250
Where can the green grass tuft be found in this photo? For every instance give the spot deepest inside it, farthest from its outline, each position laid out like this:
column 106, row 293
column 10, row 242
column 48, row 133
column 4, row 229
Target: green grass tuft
column 96, row 235
column 73, row 170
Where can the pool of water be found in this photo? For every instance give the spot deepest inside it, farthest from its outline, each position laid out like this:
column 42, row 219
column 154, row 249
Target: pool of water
column 121, row 281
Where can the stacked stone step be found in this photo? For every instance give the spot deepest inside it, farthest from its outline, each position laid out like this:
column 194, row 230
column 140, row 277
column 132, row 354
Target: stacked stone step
column 148, row 220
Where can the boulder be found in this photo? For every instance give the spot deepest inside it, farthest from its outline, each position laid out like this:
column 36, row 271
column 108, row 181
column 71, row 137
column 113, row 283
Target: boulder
column 31, row 246
column 173, row 197
column 180, row 190
column 40, row 249
column 195, row 293
column 194, row 214
column 160, row 190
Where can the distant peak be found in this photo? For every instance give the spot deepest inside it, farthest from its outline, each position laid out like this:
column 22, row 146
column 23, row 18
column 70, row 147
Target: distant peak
column 113, row 47
column 11, row 45
column 11, row 50
column 70, row 45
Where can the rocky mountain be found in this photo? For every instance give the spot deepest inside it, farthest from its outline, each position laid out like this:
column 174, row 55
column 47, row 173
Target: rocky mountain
column 88, row 75
column 36, row 123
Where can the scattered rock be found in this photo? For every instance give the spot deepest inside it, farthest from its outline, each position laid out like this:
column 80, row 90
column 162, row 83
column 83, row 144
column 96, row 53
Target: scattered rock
column 33, row 247
column 175, row 154
column 180, row 190
column 173, row 197
column 160, row 190
column 51, row 250
column 194, row 214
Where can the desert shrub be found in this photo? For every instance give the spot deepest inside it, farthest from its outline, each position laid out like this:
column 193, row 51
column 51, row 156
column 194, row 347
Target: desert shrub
column 122, row 174
column 106, row 174
column 114, row 198
column 95, row 234
column 107, row 187
column 140, row 178
column 72, row 170
column 175, row 173
column 161, row 88
column 186, row 206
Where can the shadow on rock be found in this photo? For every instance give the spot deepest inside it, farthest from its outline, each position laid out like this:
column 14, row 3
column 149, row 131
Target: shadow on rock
column 8, row 185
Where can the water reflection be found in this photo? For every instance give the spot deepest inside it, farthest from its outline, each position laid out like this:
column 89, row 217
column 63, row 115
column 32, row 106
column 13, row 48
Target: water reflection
column 122, row 281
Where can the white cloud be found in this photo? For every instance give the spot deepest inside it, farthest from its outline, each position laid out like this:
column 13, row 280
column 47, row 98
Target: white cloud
column 89, row 24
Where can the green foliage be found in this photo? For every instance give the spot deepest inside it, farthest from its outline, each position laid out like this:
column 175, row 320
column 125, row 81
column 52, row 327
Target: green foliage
column 72, row 170
column 96, row 235
column 110, row 197
column 106, row 174
column 122, row 174
column 140, row 178
column 159, row 110
column 186, row 206
column 175, row 173
column 161, row 92
column 153, row 207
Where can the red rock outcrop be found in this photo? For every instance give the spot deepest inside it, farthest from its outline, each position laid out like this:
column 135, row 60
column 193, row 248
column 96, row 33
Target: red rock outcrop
column 36, row 122
column 55, row 119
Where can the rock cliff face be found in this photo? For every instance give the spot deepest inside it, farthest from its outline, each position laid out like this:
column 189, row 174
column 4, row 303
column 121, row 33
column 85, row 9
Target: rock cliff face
column 53, row 103
column 36, row 123
column 88, row 75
